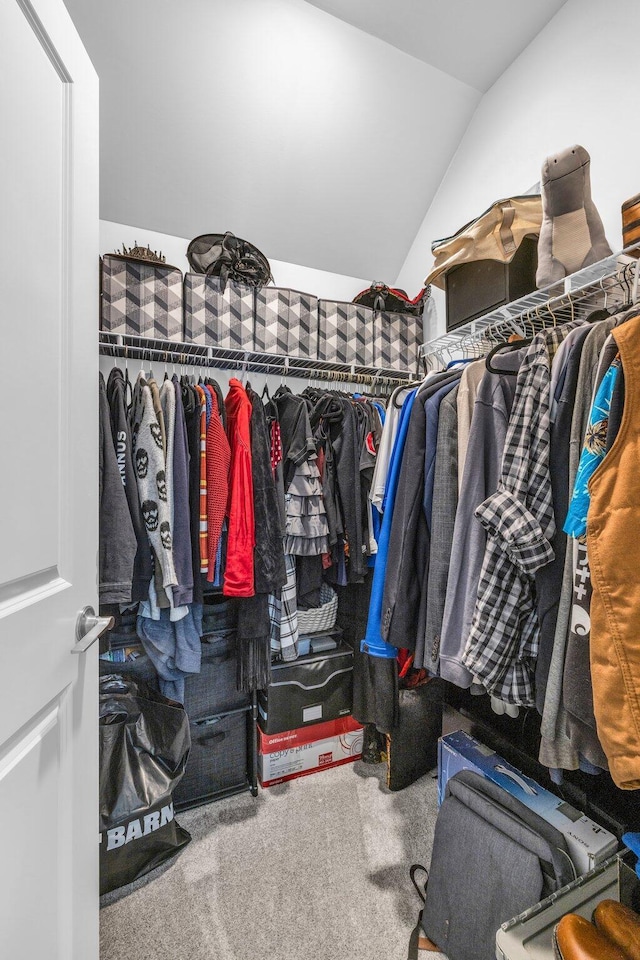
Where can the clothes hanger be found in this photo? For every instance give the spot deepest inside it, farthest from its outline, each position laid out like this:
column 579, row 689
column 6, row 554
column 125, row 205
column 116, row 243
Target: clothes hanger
column 410, row 385
column 505, row 347
column 571, row 304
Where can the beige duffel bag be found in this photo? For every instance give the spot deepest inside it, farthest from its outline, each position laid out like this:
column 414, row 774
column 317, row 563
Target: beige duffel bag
column 495, row 235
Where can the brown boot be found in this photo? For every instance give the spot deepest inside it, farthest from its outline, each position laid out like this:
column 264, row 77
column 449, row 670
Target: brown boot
column 574, row 938
column 621, row 925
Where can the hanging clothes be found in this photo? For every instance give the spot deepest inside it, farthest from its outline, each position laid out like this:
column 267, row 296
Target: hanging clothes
column 556, row 750
column 203, row 525
column 375, row 695
column 409, row 537
column 613, row 546
column 548, row 579
column 593, row 453
column 218, row 458
column 481, row 475
column 239, row 570
column 469, row 384
column 118, row 543
column 121, row 432
column 192, row 411
column 442, row 522
column 269, row 565
column 502, row 646
column 148, row 446
column 182, row 541
column 390, row 429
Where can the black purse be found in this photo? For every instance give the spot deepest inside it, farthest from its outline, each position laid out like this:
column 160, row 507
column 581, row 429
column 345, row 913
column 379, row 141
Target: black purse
column 228, row 257
column 391, row 299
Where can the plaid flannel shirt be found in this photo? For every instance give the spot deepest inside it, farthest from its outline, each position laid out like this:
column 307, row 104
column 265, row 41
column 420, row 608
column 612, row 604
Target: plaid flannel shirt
column 503, row 643
column 283, row 616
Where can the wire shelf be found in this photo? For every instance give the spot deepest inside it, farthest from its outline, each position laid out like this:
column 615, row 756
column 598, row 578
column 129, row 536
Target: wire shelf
column 611, row 282
column 182, row 353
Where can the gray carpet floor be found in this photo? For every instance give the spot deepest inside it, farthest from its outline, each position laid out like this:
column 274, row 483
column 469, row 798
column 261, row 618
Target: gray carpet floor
column 313, row 869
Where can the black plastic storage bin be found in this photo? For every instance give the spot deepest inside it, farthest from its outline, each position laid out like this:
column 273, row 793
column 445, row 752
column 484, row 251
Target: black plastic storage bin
column 213, row 691
column 219, row 763
column 312, row 689
column 476, row 288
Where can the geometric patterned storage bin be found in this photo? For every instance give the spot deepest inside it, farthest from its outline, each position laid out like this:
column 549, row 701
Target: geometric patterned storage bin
column 397, row 339
column 141, row 298
column 345, row 333
column 216, row 318
column 286, row 322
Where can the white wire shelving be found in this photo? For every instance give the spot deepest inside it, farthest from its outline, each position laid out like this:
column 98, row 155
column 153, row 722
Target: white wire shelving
column 609, row 283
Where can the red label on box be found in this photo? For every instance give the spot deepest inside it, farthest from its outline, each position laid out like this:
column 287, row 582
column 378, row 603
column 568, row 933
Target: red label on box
column 270, row 743
column 324, row 759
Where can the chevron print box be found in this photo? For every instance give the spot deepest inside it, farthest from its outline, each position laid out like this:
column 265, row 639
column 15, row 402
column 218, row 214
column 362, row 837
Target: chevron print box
column 286, row 322
column 397, row 339
column 141, row 299
column 345, row 333
column 218, row 318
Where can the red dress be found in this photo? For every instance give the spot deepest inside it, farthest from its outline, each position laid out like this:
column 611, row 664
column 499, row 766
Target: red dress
column 238, row 574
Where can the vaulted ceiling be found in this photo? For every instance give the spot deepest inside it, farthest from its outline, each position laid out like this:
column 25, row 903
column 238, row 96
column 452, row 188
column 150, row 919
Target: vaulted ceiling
column 472, row 40
column 320, row 131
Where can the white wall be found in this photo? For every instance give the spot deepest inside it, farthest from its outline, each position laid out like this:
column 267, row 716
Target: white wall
column 575, row 83
column 319, row 143
column 328, row 286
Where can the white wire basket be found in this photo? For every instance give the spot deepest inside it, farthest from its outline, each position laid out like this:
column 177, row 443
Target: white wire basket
column 320, row 618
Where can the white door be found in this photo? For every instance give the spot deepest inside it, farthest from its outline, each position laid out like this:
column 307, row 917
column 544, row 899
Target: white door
column 48, row 485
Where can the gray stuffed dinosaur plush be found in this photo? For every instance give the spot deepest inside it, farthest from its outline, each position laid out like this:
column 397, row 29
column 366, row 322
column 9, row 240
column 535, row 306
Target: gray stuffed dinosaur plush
column 572, row 234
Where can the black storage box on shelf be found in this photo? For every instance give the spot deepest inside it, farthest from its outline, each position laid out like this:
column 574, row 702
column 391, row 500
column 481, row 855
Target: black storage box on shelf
column 311, row 689
column 475, row 288
column 218, row 763
column 213, row 690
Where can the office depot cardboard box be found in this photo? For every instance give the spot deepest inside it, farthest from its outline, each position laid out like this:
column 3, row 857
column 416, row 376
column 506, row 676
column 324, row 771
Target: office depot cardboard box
column 588, row 843
column 298, row 753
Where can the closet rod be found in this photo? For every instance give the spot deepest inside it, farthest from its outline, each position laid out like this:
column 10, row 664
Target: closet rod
column 198, row 355
column 611, row 282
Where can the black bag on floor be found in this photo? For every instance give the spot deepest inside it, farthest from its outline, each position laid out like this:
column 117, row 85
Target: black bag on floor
column 144, row 745
column 492, row 858
column 412, row 746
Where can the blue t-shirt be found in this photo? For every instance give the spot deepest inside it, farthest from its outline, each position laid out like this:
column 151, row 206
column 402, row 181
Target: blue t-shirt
column 595, row 446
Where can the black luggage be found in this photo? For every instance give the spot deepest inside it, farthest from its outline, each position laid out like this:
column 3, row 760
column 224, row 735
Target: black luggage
column 492, row 859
